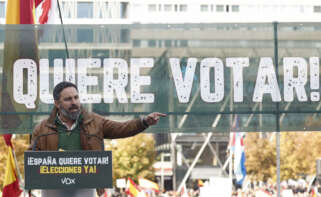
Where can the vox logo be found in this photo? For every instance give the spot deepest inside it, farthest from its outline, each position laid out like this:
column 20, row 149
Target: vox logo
column 68, row 181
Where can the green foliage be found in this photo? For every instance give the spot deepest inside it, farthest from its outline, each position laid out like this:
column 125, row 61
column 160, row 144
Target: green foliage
column 260, row 157
column 299, row 152
column 134, row 157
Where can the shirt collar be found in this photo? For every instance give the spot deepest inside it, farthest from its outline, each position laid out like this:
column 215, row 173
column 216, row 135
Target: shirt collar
column 72, row 126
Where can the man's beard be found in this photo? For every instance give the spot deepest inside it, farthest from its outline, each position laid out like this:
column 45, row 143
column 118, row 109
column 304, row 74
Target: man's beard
column 68, row 114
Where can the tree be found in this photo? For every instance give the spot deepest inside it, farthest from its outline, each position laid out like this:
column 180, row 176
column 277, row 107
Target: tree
column 299, row 152
column 260, row 157
column 133, row 157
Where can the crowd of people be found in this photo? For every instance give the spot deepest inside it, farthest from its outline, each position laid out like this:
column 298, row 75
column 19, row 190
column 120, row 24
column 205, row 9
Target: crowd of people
column 289, row 188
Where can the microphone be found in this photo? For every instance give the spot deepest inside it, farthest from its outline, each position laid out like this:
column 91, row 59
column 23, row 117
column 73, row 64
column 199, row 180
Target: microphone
column 37, row 138
column 101, row 140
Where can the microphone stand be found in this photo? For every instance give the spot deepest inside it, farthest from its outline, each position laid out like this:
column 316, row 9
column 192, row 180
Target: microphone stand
column 82, row 132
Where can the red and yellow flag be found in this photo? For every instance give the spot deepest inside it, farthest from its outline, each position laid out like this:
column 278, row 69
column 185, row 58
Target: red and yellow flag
column 147, row 184
column 20, row 12
column 132, row 189
column 200, row 183
column 7, row 139
column 313, row 192
column 11, row 183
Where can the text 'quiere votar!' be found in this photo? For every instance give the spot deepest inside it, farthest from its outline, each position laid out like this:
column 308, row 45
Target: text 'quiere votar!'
column 119, row 75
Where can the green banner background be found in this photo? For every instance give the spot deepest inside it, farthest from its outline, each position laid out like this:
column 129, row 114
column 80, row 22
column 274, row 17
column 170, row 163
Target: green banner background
column 161, row 42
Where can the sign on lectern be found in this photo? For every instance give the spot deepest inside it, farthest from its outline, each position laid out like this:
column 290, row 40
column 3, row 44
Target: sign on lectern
column 68, row 169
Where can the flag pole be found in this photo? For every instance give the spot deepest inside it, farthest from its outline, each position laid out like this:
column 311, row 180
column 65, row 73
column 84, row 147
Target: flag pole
column 230, row 164
column 21, row 182
column 16, row 162
column 63, row 29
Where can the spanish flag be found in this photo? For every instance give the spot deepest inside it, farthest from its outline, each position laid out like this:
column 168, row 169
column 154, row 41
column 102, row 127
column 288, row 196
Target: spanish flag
column 314, row 192
column 20, row 43
column 20, row 12
column 147, row 184
column 11, row 183
column 132, row 189
column 200, row 183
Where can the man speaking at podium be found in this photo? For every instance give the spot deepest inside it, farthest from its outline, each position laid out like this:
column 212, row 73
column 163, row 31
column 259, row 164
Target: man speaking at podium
column 70, row 127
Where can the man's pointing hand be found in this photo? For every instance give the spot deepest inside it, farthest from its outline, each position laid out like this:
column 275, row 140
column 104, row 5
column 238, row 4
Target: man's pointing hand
column 152, row 119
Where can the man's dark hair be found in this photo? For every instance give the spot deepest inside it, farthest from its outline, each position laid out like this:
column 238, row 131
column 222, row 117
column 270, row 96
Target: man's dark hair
column 60, row 87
